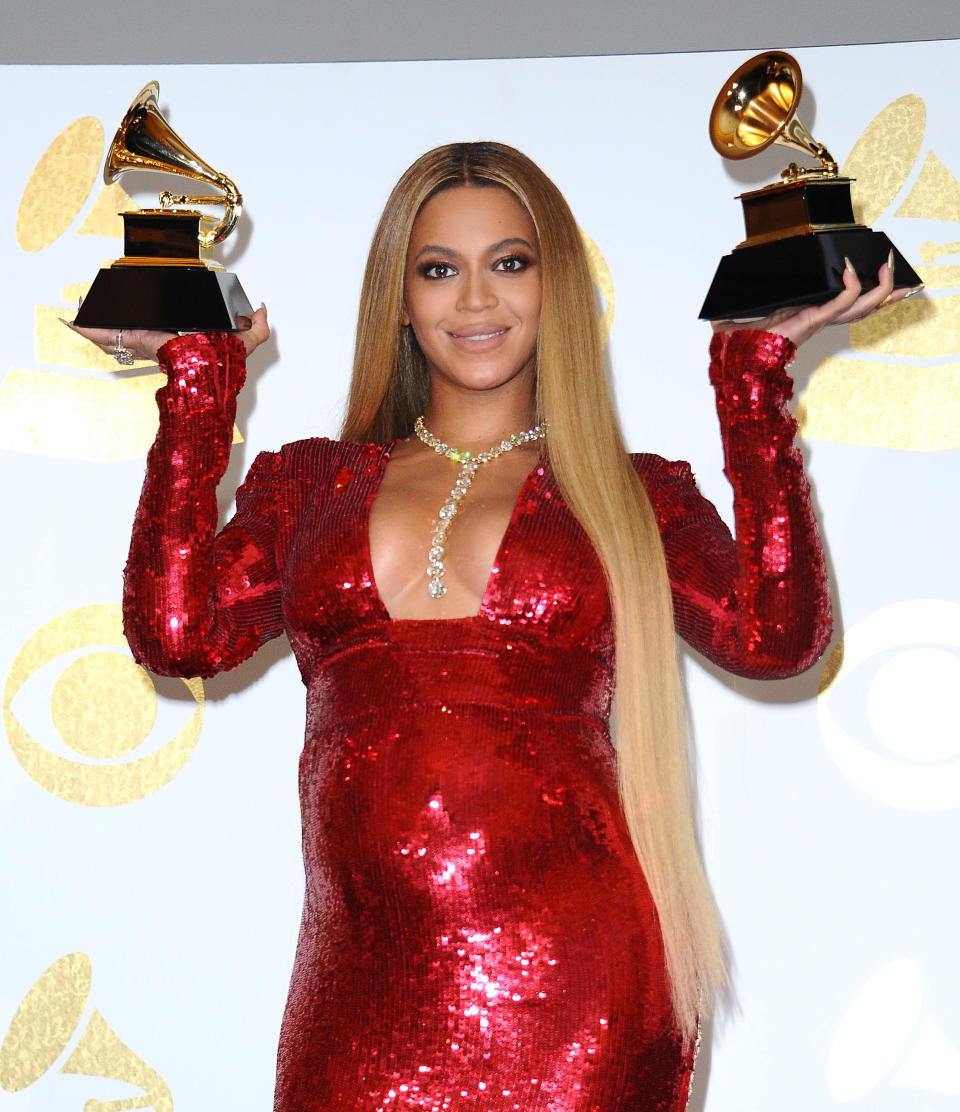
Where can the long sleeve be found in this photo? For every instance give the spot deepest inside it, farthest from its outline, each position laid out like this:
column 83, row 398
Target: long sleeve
column 758, row 605
column 195, row 603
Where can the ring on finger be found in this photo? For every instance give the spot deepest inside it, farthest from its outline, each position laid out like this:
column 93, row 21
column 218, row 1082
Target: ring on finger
column 124, row 356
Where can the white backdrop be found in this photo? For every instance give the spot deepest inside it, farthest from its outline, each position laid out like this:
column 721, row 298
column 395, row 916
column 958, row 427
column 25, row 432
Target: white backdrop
column 151, row 867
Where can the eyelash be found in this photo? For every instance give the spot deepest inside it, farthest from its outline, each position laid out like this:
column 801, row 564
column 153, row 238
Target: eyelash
column 521, row 260
column 426, row 269
column 520, row 264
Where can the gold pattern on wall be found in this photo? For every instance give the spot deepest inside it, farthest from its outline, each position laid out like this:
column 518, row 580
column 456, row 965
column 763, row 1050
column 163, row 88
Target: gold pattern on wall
column 883, row 156
column 935, row 194
column 100, row 1053
column 69, row 415
column 45, row 1023
column 115, row 716
column 922, row 328
column 78, row 418
column 883, row 405
column 60, row 183
column 931, row 251
column 104, row 218
column 603, row 280
column 76, row 705
column 912, row 407
column 940, row 277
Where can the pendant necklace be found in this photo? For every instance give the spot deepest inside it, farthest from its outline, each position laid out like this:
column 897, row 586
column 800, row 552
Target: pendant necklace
column 436, row 588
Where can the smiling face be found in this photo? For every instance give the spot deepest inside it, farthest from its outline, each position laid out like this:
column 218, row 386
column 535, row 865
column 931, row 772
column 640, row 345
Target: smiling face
column 472, row 289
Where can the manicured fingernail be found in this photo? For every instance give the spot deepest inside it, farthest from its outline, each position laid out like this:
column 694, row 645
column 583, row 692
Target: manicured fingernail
column 890, row 261
column 849, row 265
column 913, row 292
column 80, row 301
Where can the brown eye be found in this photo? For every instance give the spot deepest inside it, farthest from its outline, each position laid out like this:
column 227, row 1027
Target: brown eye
column 436, row 270
column 513, row 264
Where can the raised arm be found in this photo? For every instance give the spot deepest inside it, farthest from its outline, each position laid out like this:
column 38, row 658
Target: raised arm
column 195, row 603
column 758, row 605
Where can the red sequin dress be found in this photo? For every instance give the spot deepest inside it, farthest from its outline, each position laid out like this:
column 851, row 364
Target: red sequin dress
column 477, row 934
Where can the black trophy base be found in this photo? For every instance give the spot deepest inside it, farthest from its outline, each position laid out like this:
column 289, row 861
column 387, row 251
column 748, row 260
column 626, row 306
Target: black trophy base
column 164, row 298
column 799, row 270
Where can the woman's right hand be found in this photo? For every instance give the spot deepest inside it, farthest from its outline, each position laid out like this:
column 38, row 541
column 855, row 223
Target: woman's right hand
column 144, row 343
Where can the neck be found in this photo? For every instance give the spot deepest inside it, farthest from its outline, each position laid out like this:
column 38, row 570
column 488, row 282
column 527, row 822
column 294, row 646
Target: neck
column 480, row 424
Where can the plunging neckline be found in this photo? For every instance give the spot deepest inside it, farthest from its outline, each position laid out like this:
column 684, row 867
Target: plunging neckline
column 495, row 570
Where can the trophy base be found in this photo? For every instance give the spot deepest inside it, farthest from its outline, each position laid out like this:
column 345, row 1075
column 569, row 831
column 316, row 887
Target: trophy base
column 165, row 299
column 799, row 270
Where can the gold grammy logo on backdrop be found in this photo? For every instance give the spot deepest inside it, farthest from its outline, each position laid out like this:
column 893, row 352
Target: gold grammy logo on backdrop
column 911, row 405
column 70, row 415
column 603, row 280
column 44, row 1025
column 103, row 705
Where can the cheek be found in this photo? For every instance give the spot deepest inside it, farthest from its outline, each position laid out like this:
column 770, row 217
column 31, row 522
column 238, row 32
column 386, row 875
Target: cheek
column 532, row 300
column 405, row 316
column 424, row 309
column 532, row 308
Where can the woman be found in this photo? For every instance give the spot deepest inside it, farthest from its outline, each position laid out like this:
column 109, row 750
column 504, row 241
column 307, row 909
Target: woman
column 485, row 926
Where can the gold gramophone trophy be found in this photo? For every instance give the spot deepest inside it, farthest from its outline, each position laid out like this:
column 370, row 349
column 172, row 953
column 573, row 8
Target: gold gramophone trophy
column 800, row 229
column 166, row 278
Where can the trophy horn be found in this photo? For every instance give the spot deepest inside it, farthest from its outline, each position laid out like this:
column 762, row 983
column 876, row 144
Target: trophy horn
column 145, row 141
column 757, row 107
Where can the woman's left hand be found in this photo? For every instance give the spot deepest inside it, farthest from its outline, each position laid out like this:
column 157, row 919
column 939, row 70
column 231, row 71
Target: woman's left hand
column 849, row 305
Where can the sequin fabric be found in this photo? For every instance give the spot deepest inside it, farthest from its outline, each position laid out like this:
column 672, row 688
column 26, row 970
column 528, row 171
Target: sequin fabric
column 477, row 934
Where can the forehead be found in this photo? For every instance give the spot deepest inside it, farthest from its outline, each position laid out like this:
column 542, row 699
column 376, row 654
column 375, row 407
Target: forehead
column 467, row 216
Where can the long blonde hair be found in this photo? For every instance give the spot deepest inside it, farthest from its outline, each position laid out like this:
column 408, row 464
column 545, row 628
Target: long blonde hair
column 390, row 387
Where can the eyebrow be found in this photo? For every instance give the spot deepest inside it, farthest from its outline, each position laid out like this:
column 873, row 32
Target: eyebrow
column 439, row 249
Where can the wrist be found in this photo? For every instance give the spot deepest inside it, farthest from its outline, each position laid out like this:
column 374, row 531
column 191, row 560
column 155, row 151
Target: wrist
column 748, row 369
column 204, row 369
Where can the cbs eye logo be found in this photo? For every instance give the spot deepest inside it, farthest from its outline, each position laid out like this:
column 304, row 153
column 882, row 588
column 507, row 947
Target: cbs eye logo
column 102, row 705
column 907, row 702
column 886, row 1039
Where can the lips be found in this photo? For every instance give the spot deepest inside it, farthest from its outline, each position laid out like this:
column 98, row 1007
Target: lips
column 479, row 339
column 478, row 334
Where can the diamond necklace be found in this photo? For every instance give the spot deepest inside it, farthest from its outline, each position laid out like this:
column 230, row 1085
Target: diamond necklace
column 436, row 588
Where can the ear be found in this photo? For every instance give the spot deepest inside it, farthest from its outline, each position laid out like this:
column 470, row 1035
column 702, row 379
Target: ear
column 404, row 316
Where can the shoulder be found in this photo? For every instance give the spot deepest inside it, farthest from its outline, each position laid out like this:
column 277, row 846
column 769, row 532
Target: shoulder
column 304, row 470
column 673, row 492
column 656, row 472
column 313, row 462
column 325, row 453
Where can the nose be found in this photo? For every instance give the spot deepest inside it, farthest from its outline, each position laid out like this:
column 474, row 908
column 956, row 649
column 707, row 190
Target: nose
column 476, row 291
